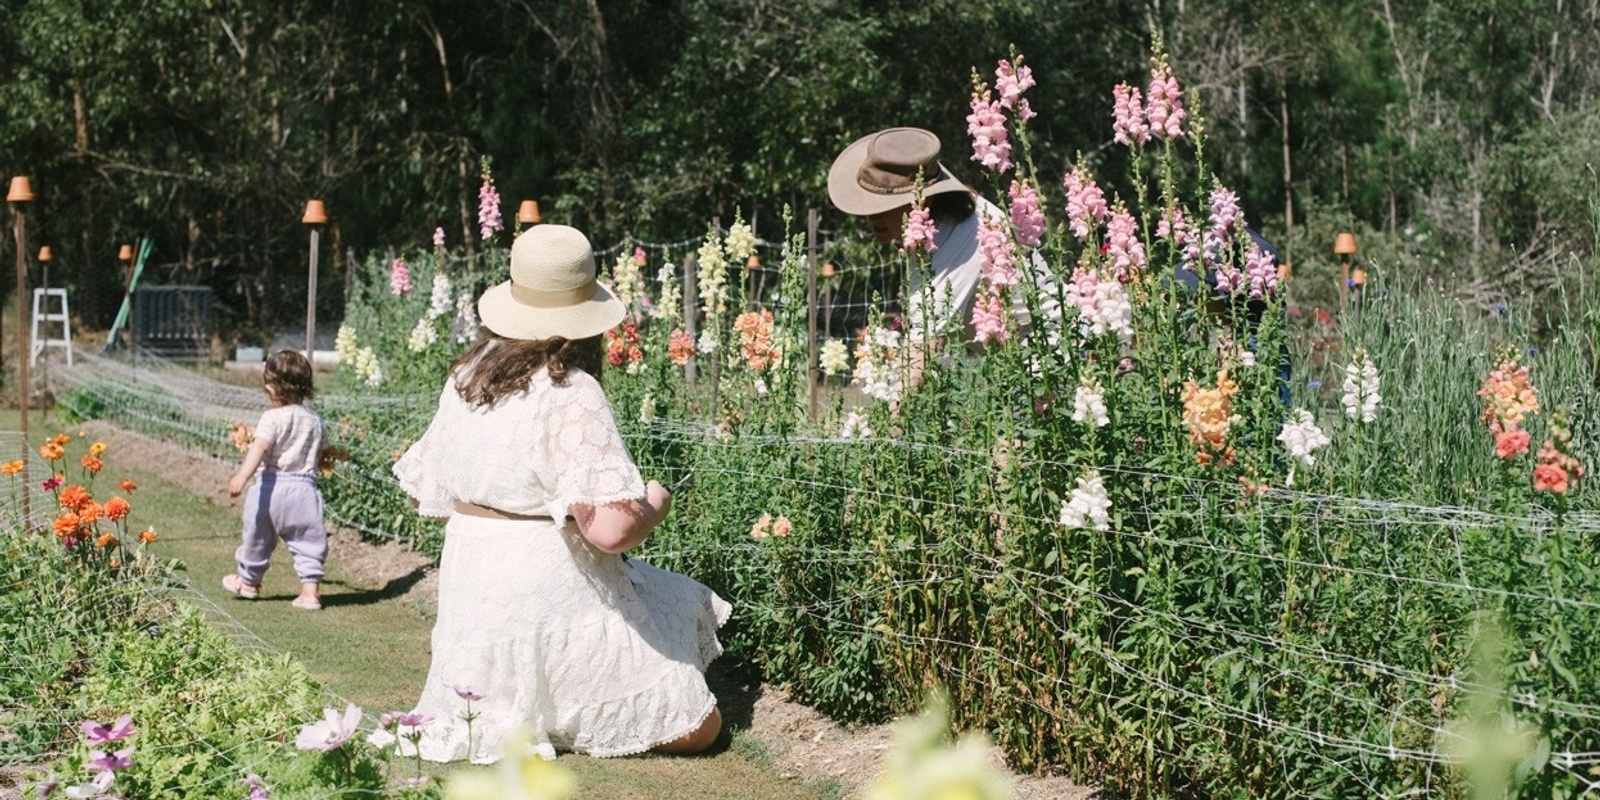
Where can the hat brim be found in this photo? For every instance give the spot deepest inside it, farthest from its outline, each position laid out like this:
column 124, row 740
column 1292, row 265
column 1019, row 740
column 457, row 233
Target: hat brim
column 504, row 314
column 847, row 195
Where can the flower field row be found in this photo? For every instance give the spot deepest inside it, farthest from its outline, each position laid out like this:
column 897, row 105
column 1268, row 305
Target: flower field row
column 1177, row 535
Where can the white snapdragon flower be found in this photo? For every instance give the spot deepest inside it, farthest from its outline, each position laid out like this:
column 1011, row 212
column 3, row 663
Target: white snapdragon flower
column 422, row 336
column 344, row 345
column 1089, row 405
column 834, row 358
column 855, row 426
column 439, row 298
column 1361, row 398
column 707, row 342
column 1088, row 506
column 464, row 328
column 647, row 408
column 1302, row 436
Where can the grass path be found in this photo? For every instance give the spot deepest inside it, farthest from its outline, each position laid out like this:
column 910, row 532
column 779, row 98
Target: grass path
column 372, row 648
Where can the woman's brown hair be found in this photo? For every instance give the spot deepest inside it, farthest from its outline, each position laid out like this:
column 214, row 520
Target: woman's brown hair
column 497, row 367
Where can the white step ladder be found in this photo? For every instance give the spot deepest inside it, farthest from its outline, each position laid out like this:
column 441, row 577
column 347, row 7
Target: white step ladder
column 41, row 314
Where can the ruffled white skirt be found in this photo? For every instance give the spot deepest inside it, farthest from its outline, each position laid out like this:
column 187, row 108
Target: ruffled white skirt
column 587, row 651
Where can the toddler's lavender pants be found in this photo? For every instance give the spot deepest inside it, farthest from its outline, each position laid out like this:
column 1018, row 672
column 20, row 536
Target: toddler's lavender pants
column 286, row 505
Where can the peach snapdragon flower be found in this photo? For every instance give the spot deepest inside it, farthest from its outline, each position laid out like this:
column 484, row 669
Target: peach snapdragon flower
column 1208, row 415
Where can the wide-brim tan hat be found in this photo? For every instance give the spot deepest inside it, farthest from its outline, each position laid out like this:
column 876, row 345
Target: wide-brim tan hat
column 553, row 290
column 878, row 172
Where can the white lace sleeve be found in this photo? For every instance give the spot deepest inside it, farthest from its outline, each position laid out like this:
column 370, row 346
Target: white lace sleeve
column 585, row 459
column 419, row 469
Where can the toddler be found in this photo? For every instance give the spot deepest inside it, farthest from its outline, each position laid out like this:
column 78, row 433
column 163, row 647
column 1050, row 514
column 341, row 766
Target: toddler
column 284, row 501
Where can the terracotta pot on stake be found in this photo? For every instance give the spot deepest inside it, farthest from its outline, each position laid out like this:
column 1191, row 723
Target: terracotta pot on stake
column 20, row 195
column 1344, row 246
column 315, row 216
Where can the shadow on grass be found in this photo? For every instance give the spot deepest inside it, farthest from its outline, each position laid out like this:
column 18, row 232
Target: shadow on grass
column 394, row 589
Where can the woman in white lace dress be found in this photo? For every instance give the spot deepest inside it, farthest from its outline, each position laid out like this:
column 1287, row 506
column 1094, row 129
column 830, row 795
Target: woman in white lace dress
column 542, row 623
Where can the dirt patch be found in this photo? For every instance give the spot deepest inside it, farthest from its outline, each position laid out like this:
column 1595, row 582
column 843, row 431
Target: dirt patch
column 805, row 745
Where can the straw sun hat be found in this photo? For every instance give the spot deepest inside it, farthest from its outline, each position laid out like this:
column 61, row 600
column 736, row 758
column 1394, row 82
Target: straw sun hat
column 552, row 291
column 878, row 172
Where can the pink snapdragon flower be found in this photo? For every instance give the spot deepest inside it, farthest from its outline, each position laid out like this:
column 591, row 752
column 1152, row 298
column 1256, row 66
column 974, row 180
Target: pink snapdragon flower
column 999, row 253
column 1026, row 216
column 438, row 237
column 1123, row 246
column 1086, row 203
column 919, row 230
column 1103, row 304
column 1262, row 271
column 1011, row 81
column 1177, row 228
column 1230, row 279
column 1165, row 112
column 989, row 318
column 1128, row 125
column 488, row 206
column 1224, row 212
column 399, row 277
column 987, row 127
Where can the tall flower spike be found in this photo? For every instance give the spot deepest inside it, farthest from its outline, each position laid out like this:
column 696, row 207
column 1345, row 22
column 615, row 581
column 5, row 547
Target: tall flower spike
column 991, row 146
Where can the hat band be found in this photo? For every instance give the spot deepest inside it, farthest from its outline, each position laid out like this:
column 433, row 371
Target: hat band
column 882, row 181
column 554, row 298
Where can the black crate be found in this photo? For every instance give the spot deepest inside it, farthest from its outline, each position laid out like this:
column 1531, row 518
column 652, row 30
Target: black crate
column 173, row 322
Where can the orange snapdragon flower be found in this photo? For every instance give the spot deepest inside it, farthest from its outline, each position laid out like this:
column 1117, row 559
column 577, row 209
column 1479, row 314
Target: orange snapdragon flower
column 1208, row 414
column 755, row 339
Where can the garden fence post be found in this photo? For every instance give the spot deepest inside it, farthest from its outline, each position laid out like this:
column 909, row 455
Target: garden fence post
column 812, row 219
column 688, row 313
column 20, row 195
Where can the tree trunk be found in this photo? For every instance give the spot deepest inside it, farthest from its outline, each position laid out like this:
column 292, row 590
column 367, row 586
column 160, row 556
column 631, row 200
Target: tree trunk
column 1288, row 172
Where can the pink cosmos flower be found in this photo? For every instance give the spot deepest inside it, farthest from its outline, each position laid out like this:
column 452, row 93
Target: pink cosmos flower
column 438, row 237
column 467, row 693
column 1011, row 81
column 919, row 230
column 258, row 788
column 987, row 127
column 331, row 732
column 1166, row 112
column 1128, row 126
column 989, row 318
column 999, row 253
column 1086, row 204
column 111, row 762
column 399, row 277
column 1123, row 246
column 1026, row 216
column 95, row 734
